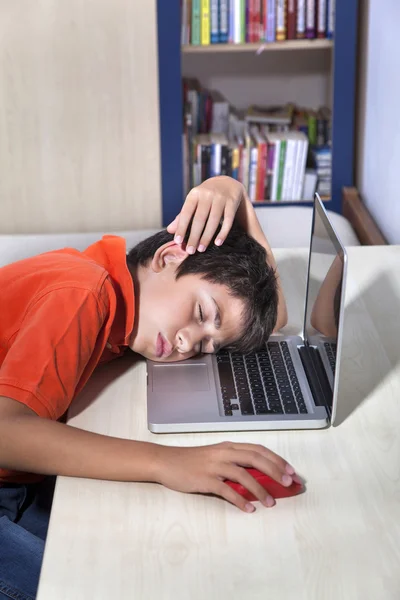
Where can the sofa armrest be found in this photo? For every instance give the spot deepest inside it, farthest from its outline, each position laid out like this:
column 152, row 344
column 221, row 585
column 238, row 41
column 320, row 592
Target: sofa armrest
column 360, row 218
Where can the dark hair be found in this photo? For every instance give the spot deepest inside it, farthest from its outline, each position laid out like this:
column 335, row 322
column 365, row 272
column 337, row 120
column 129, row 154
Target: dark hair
column 240, row 265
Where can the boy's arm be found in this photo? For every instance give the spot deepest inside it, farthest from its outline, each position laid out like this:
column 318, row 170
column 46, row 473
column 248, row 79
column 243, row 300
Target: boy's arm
column 247, row 217
column 30, row 443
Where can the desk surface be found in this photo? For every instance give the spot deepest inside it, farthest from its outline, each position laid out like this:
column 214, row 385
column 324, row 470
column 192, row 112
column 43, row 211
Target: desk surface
column 339, row 540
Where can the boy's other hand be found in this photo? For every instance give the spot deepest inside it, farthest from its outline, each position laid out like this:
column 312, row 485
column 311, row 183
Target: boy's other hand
column 203, row 469
column 214, row 200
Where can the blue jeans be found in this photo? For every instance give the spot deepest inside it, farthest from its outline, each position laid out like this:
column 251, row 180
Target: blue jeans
column 24, row 519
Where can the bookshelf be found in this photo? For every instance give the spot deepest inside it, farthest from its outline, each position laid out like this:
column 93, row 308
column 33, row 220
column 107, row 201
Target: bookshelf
column 290, row 45
column 343, row 51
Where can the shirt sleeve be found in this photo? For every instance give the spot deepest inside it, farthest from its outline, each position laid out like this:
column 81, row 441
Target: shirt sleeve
column 57, row 347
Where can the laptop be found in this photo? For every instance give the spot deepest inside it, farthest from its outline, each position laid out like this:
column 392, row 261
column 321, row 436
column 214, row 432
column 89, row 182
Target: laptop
column 290, row 383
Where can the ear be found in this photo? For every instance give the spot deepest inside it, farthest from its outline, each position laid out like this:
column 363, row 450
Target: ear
column 166, row 254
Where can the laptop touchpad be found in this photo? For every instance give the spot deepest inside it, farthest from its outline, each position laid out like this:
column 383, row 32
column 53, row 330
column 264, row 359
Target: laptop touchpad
column 181, row 378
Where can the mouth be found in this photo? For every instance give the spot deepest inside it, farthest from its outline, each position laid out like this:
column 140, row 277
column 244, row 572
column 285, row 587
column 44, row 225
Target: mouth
column 163, row 347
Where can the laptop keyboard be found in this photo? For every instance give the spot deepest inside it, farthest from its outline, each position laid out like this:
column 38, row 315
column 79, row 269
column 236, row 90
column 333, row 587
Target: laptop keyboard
column 260, row 383
column 330, row 350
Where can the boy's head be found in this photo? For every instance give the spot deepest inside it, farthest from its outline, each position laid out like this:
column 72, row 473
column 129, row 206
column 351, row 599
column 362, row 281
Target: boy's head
column 186, row 304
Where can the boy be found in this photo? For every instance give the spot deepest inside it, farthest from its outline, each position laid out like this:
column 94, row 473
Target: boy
column 64, row 312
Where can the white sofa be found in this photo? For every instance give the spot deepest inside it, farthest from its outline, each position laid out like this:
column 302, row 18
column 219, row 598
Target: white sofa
column 283, row 226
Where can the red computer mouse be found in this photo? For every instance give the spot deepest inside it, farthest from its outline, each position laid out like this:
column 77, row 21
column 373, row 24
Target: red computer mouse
column 275, row 489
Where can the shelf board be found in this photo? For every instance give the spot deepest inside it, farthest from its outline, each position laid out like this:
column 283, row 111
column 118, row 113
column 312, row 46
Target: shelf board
column 260, row 47
column 324, row 199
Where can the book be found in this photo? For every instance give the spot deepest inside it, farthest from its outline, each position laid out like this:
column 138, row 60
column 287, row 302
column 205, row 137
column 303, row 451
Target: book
column 252, row 190
column 237, row 21
column 289, row 167
column 321, row 19
column 281, row 166
column 184, row 13
column 330, row 19
column 218, row 140
column 310, row 184
column 301, row 162
column 214, row 21
column 223, row 21
column 270, row 16
column 291, row 19
column 281, row 115
column 205, row 22
column 281, row 20
column 261, row 143
column 310, row 19
column 301, row 20
column 195, row 32
column 256, row 21
column 220, row 113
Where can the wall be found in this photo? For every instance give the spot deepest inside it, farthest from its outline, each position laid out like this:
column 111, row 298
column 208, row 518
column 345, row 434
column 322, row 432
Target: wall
column 79, row 122
column 378, row 132
column 273, row 77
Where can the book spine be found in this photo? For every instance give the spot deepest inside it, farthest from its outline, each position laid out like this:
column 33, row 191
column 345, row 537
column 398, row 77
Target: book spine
column 253, row 173
column 196, row 22
column 321, row 19
column 275, row 175
column 246, row 158
column 235, row 162
column 256, row 20
column 312, row 129
column 243, row 9
column 231, row 21
column 184, row 9
column 214, row 25
column 262, row 171
column 291, row 19
column 287, row 180
column 205, row 22
column 250, row 21
column 303, row 168
column 215, row 166
column 225, row 160
column 282, row 160
column 271, row 19
column 301, row 20
column 321, row 130
column 270, row 171
column 280, row 20
column 237, row 21
column 330, row 19
column 189, row 22
column 310, row 19
column 223, row 21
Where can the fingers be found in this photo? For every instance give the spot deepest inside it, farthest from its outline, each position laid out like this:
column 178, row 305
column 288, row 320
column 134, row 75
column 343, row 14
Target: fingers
column 219, row 488
column 229, row 217
column 213, row 223
column 201, row 217
column 173, row 225
column 244, row 478
column 186, row 214
column 282, row 466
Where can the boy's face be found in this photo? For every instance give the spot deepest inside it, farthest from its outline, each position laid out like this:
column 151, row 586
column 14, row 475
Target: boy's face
column 177, row 319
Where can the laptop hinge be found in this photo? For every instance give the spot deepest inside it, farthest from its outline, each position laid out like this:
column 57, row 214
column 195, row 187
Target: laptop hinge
column 316, row 376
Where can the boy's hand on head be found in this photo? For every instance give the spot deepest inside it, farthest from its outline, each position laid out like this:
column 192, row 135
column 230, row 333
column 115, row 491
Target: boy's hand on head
column 203, row 469
column 213, row 200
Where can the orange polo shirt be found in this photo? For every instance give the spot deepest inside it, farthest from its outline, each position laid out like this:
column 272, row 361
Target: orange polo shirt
column 61, row 314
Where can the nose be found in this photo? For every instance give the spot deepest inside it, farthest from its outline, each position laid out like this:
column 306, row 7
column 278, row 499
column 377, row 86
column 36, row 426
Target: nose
column 189, row 340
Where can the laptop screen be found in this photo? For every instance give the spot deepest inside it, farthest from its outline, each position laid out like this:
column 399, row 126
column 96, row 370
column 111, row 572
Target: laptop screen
column 323, row 299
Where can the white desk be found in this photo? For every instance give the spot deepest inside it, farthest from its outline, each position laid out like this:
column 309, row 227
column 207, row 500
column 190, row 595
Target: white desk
column 339, row 540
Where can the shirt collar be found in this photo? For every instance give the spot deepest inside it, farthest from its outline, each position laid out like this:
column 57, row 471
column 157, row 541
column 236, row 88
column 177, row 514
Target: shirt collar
column 110, row 253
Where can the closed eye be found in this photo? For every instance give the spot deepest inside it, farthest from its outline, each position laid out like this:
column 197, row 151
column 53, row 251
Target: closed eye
column 201, row 316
